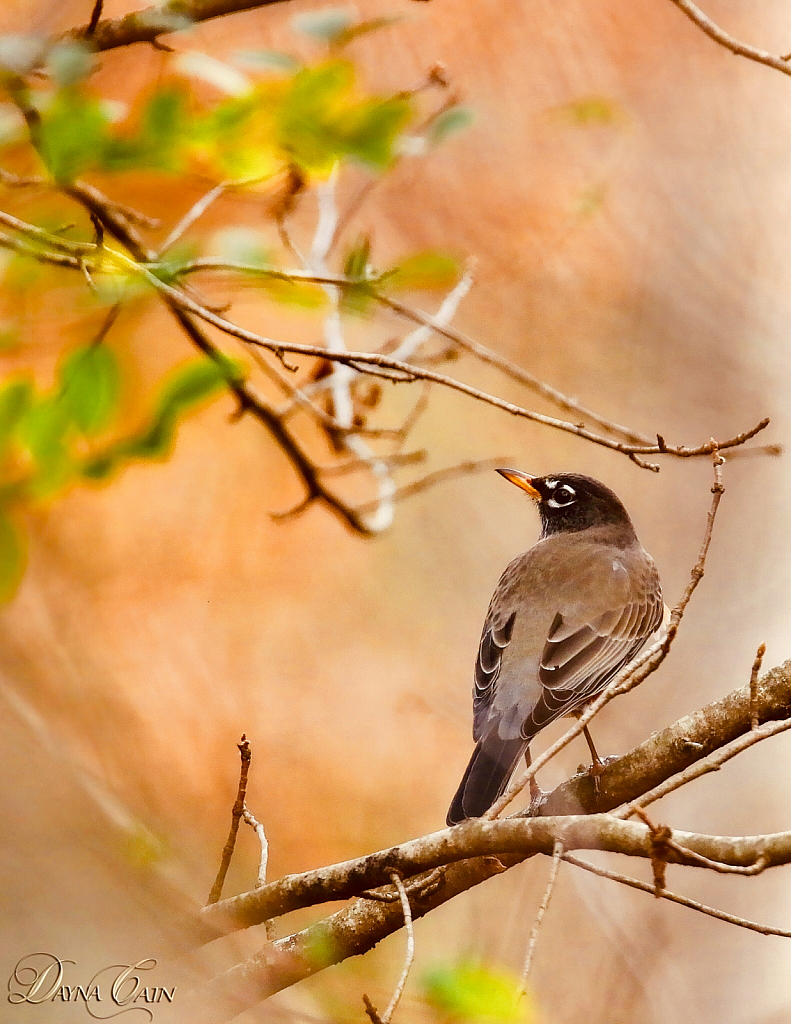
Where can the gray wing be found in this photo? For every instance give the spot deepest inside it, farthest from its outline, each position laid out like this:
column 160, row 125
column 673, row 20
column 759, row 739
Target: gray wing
column 497, row 632
column 580, row 658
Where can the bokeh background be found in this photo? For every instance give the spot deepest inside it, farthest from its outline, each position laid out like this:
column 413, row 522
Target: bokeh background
column 640, row 262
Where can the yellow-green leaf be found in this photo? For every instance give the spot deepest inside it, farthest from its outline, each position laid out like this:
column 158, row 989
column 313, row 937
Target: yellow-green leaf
column 590, row 110
column 472, row 993
column 13, row 556
column 73, row 133
column 90, row 386
column 424, row 271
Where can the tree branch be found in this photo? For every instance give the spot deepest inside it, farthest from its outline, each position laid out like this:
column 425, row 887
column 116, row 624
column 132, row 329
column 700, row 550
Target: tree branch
column 147, row 25
column 696, row 15
column 660, row 757
column 675, row 897
column 236, row 815
column 473, row 851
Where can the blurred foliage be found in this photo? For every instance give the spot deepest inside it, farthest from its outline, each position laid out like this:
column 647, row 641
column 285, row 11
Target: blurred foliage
column 258, row 119
column 475, row 993
column 50, row 440
column 589, row 110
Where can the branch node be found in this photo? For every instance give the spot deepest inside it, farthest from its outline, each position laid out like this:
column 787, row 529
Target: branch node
column 754, row 715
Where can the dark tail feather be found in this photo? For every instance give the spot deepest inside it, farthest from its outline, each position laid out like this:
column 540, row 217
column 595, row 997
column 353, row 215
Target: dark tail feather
column 487, row 775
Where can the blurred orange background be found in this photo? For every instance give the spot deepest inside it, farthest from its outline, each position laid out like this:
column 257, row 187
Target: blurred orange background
column 640, row 264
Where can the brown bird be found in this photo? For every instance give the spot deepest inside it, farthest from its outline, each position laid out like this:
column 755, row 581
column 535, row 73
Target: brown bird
column 565, row 617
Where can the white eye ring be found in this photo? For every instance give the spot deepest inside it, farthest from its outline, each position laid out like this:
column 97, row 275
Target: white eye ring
column 565, row 492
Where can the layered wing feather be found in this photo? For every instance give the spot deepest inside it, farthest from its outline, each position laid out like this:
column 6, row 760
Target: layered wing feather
column 580, row 658
column 528, row 674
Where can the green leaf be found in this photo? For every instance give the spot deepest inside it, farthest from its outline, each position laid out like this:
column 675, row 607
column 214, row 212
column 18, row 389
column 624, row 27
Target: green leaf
column 185, row 388
column 357, row 301
column 90, row 386
column 424, row 271
column 355, row 266
column 173, row 261
column 161, row 140
column 13, row 556
column 449, row 122
column 326, row 25
column 16, row 396
column 42, row 431
column 73, row 134
column 320, row 122
column 473, row 993
column 196, row 381
column 369, row 131
column 293, row 293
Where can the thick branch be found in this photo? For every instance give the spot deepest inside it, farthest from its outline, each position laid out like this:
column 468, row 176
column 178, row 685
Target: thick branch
column 664, row 754
column 672, row 750
column 362, row 925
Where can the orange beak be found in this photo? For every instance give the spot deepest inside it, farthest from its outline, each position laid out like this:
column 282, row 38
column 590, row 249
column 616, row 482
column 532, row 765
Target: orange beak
column 522, row 480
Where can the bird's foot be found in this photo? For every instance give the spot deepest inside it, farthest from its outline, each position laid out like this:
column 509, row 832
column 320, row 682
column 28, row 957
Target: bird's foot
column 595, row 770
column 537, row 797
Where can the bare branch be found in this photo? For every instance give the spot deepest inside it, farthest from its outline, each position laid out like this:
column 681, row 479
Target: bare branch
column 258, row 828
column 364, row 923
column 410, row 948
column 439, row 476
column 664, row 755
column 696, row 15
column 674, row 897
column 96, row 14
column 713, row 763
column 557, row 856
column 195, row 211
column 236, row 814
column 759, row 657
column 46, row 237
column 510, row 369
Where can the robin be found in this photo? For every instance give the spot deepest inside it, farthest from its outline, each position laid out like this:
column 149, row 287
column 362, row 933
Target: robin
column 565, row 617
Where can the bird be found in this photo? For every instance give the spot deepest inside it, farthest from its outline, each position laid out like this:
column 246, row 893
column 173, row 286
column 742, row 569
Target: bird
column 565, row 617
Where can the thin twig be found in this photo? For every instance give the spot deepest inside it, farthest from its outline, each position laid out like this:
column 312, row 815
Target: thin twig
column 696, row 15
column 236, row 815
column 361, row 361
column 462, row 469
column 410, row 948
column 557, row 856
column 662, row 842
column 373, row 360
column 674, row 897
column 258, row 828
column 759, row 657
column 96, row 14
column 256, row 825
column 510, row 369
column 195, row 211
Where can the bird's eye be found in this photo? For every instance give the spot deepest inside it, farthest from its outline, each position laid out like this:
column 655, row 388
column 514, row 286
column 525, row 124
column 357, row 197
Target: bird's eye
column 562, row 496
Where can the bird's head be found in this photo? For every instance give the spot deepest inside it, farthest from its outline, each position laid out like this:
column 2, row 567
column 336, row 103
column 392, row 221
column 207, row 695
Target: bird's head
column 568, row 502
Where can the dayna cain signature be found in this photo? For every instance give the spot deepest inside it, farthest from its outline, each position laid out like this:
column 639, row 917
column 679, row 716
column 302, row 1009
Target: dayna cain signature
column 39, row 978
